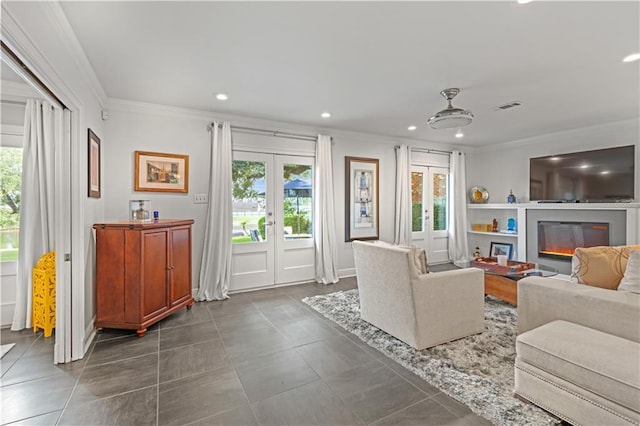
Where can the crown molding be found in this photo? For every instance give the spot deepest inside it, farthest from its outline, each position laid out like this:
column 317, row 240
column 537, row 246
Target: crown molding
column 125, row 105
column 605, row 130
column 68, row 36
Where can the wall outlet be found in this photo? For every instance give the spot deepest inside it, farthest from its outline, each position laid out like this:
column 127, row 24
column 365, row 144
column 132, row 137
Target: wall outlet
column 200, row 199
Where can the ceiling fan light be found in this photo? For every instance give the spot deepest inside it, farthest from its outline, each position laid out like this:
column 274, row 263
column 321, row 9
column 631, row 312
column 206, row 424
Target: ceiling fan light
column 450, row 116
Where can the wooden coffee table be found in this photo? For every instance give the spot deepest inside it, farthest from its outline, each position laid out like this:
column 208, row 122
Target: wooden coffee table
column 502, row 281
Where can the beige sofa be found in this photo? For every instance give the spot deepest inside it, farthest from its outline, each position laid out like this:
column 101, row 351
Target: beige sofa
column 578, row 351
column 422, row 310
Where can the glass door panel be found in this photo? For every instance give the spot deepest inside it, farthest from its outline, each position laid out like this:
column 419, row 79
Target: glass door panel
column 249, row 202
column 297, row 206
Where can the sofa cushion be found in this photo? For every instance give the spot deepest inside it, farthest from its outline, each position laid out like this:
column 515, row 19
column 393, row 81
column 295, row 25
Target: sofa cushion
column 631, row 280
column 599, row 362
column 600, row 266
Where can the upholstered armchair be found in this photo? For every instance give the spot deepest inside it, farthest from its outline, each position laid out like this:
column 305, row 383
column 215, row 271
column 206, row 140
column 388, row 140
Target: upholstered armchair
column 422, row 310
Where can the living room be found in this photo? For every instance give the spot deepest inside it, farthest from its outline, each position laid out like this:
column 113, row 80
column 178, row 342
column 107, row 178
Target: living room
column 62, row 42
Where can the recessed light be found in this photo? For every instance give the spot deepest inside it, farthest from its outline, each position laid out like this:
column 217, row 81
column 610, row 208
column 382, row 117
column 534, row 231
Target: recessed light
column 222, row 97
column 325, row 114
column 411, row 128
column 459, row 134
column 632, row 57
column 524, row 1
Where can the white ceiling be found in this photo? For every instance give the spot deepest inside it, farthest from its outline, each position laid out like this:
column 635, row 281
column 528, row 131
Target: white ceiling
column 378, row 67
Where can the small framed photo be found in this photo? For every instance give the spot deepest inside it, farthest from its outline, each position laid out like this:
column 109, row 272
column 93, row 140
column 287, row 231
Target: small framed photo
column 361, row 199
column 93, row 183
column 159, row 172
column 501, row 249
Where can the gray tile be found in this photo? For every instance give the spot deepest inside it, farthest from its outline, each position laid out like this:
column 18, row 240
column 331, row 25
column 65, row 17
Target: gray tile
column 310, row 404
column 455, row 407
column 271, row 374
column 107, row 380
column 117, row 333
column 119, row 349
column 305, row 331
column 31, row 368
column 374, row 391
column 237, row 304
column 254, row 343
column 240, row 416
column 188, row 335
column 132, row 408
column 411, row 377
column 197, row 397
column 186, row 361
column 424, row 413
column 197, row 313
column 42, row 420
column 35, row 397
column 333, row 356
column 286, row 313
column 241, row 322
column 23, row 342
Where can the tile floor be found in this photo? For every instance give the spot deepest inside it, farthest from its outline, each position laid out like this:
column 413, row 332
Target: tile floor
column 260, row 358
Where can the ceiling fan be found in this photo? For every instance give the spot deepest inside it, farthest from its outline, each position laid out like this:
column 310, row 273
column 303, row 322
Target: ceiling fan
column 450, row 116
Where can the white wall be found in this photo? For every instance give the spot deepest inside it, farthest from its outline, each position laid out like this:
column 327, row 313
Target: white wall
column 136, row 126
column 39, row 33
column 499, row 168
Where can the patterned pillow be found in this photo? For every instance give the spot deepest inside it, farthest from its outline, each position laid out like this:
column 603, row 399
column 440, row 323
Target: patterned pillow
column 631, row 280
column 600, row 266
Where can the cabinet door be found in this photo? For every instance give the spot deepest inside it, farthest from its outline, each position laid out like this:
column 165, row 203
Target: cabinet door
column 180, row 269
column 154, row 280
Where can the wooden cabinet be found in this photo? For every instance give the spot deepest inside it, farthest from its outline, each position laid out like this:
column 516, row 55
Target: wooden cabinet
column 143, row 272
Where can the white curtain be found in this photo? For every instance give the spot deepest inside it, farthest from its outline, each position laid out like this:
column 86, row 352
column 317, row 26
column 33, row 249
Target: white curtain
column 215, row 270
column 325, row 240
column 37, row 205
column 402, row 231
column 458, row 245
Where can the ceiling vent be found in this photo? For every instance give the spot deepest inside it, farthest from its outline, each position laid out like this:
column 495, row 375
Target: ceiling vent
column 450, row 116
column 507, row 106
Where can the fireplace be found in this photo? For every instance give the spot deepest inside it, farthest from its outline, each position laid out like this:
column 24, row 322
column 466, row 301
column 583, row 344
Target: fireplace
column 558, row 240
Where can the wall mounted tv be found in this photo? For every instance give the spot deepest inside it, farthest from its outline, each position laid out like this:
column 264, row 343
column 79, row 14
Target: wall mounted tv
column 602, row 175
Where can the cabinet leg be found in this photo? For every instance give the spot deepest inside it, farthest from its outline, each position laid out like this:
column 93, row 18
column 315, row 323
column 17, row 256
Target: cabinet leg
column 141, row 333
column 98, row 329
column 190, row 305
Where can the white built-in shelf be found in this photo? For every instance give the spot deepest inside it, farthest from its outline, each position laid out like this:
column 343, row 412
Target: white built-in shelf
column 553, row 206
column 494, row 206
column 502, row 234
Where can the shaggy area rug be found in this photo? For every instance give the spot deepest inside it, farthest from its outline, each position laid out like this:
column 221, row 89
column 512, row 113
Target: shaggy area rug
column 475, row 370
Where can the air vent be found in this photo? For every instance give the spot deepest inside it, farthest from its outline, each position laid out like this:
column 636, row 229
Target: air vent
column 507, row 106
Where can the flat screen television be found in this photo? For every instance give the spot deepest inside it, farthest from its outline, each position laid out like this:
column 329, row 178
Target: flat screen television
column 601, row 175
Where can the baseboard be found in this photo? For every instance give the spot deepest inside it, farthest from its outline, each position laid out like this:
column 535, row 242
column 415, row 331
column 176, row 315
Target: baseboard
column 346, row 273
column 89, row 335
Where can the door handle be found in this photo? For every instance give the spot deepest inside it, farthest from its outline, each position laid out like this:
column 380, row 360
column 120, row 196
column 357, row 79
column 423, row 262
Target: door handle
column 271, row 223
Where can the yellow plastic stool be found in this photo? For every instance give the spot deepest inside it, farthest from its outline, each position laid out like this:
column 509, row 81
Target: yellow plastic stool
column 43, row 306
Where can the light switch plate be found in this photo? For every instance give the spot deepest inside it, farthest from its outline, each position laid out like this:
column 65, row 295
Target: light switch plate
column 200, row 199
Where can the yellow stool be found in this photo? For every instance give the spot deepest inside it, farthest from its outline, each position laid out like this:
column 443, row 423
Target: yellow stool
column 43, row 306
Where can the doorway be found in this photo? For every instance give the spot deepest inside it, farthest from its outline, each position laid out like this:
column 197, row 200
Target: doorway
column 429, row 211
column 272, row 238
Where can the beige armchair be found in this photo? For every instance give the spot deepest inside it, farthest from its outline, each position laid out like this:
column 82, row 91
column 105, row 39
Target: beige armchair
column 422, row 310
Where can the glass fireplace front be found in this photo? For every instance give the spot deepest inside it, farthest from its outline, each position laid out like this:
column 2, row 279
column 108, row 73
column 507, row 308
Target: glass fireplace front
column 559, row 240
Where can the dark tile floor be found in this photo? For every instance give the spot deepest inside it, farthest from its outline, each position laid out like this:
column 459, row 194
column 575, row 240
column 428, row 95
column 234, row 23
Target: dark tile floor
column 260, row 358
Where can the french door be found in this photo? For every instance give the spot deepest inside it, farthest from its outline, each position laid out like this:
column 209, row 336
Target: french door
column 272, row 238
column 429, row 211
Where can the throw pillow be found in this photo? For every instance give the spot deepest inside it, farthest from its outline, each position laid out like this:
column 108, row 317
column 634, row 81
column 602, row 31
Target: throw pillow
column 419, row 258
column 600, row 266
column 631, row 280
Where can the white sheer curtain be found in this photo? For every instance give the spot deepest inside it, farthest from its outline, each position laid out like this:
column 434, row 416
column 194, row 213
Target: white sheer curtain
column 325, row 240
column 37, row 204
column 215, row 270
column 458, row 245
column 402, row 231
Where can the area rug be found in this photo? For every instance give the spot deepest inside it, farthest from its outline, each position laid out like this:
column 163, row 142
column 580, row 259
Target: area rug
column 476, row 370
column 4, row 349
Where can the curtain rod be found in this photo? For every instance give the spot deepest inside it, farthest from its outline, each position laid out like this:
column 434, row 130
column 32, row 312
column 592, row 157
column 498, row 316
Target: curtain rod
column 275, row 133
column 16, row 61
column 428, row 150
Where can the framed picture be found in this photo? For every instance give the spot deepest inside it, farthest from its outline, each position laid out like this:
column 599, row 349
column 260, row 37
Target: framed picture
column 361, row 198
column 93, row 161
column 158, row 172
column 501, row 249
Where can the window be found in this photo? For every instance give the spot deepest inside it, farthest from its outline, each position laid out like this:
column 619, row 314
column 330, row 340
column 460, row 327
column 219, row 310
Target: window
column 10, row 184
